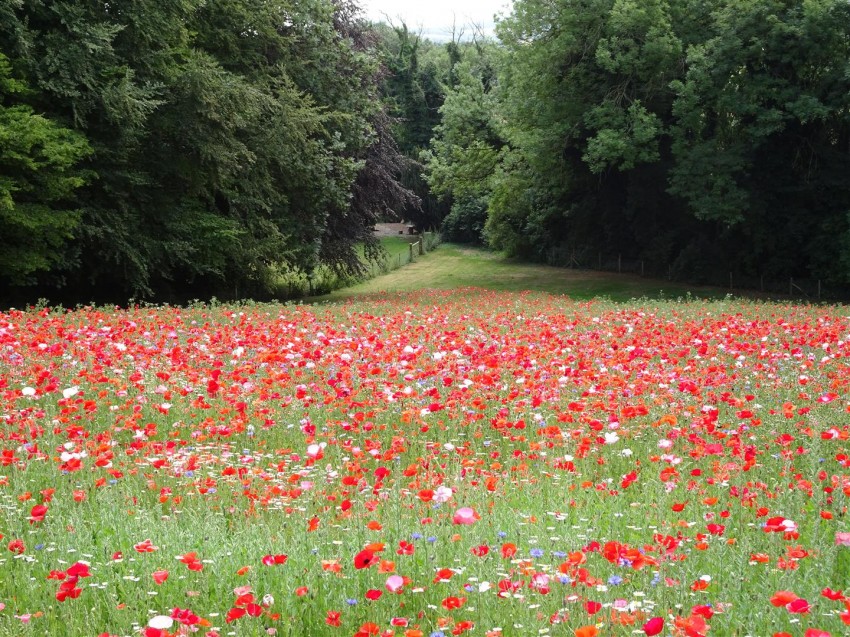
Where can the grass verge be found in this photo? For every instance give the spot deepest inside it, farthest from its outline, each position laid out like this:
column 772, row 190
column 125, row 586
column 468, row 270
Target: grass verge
column 456, row 266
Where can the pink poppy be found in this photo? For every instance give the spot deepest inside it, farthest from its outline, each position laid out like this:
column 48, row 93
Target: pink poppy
column 465, row 515
column 395, row 583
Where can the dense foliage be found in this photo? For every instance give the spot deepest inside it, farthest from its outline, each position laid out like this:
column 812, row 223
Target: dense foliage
column 173, row 148
column 418, row 72
column 700, row 136
column 187, row 148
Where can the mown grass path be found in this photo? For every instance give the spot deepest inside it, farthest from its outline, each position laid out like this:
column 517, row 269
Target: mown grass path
column 454, row 266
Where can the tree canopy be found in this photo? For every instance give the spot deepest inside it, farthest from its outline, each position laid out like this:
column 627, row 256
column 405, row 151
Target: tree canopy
column 183, row 148
column 189, row 147
column 705, row 135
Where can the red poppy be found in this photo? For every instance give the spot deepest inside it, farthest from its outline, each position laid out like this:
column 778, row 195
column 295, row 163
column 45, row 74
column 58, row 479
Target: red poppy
column 653, row 626
column 798, row 605
column 509, row 549
column 782, row 598
column 451, row 603
column 254, row 610
column 332, row 618
column 145, row 546
column 365, row 559
column 37, row 513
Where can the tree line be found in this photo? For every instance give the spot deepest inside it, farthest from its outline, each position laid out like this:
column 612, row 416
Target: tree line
column 183, row 149
column 707, row 135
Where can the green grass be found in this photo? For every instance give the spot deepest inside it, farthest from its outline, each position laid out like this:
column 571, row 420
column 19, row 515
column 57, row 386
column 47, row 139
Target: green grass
column 454, row 266
column 294, row 283
column 397, row 244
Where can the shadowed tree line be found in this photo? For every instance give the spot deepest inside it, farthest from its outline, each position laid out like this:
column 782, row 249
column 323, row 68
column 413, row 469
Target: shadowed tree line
column 704, row 136
column 183, row 148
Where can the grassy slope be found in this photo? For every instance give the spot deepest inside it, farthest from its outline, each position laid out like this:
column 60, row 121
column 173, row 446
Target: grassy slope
column 454, row 266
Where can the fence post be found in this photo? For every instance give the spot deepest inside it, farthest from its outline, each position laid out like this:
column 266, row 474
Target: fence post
column 421, row 245
column 410, row 247
column 641, row 267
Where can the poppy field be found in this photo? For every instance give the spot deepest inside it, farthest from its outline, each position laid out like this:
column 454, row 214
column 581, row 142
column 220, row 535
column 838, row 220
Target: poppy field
column 446, row 463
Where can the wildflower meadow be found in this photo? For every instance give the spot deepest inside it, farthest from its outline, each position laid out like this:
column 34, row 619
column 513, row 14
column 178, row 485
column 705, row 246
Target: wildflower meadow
column 445, row 463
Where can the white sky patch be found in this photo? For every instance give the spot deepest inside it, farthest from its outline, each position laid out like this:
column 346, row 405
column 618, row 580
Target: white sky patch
column 434, row 18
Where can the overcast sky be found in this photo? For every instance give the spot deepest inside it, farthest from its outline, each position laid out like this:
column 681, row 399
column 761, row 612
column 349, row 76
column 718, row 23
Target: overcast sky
column 435, row 17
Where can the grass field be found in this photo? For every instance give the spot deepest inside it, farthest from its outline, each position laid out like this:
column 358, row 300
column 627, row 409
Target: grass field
column 426, row 464
column 453, row 266
column 395, row 245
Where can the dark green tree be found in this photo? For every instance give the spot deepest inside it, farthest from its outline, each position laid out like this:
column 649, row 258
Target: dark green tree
column 707, row 136
column 412, row 87
column 466, row 146
column 228, row 138
column 585, row 104
column 761, row 139
column 38, row 174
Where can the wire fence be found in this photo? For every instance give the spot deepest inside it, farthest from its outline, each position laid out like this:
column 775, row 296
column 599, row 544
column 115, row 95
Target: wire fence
column 712, row 274
column 426, row 242
column 297, row 284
